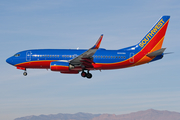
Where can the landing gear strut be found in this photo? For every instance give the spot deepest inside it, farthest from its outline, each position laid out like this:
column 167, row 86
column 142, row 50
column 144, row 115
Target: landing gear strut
column 88, row 75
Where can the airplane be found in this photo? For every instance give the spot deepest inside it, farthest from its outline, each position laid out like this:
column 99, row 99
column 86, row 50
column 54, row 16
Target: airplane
column 73, row 61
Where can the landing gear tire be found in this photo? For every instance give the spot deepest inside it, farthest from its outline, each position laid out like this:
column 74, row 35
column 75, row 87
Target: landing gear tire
column 25, row 73
column 83, row 74
column 89, row 75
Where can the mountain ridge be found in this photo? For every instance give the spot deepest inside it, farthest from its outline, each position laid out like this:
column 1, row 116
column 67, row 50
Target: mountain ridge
column 149, row 114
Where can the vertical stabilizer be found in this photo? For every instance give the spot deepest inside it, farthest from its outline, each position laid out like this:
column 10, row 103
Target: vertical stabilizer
column 153, row 40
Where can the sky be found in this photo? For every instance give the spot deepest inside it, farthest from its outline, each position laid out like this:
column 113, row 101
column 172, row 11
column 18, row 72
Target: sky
column 65, row 24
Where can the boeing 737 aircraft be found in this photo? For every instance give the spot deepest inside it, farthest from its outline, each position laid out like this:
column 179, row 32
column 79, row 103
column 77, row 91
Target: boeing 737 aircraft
column 73, row 61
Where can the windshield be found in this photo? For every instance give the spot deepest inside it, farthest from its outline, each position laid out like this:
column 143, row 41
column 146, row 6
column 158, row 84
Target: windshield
column 17, row 55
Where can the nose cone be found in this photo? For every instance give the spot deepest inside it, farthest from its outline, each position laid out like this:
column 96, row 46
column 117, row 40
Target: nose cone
column 10, row 60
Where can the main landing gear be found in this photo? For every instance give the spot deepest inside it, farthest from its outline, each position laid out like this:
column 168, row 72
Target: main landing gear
column 88, row 75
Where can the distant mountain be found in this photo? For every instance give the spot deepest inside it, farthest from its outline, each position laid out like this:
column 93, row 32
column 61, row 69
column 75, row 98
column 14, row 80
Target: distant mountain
column 60, row 116
column 141, row 115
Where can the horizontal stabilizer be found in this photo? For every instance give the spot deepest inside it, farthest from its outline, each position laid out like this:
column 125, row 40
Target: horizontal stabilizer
column 156, row 53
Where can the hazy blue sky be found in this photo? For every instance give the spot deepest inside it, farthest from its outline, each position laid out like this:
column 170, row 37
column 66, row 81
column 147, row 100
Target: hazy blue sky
column 37, row 24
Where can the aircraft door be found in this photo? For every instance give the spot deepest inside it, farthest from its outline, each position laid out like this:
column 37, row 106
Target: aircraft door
column 28, row 56
column 131, row 56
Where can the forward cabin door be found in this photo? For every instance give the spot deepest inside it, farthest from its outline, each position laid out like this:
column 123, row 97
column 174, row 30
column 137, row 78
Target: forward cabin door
column 131, row 56
column 28, row 56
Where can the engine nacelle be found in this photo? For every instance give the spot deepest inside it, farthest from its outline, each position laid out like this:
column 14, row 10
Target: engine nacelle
column 60, row 66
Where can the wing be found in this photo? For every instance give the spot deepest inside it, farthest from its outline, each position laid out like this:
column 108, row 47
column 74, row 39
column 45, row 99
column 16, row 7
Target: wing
column 86, row 58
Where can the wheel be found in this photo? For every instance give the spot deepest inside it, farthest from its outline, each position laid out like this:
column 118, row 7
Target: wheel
column 89, row 75
column 25, row 73
column 83, row 74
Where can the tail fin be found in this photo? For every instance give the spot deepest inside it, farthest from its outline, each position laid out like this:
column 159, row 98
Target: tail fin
column 153, row 40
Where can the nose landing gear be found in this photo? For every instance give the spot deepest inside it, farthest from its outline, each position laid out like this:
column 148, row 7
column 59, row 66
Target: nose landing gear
column 25, row 73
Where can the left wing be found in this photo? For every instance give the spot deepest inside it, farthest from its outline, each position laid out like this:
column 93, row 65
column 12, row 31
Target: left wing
column 86, row 58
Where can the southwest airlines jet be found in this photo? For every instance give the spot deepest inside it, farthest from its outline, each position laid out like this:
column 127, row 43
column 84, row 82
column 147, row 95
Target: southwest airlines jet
column 73, row 61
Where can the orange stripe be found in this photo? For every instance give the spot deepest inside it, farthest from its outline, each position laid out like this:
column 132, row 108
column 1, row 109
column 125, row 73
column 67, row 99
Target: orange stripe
column 146, row 59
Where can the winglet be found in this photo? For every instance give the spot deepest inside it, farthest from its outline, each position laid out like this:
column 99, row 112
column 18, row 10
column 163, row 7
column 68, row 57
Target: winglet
column 96, row 46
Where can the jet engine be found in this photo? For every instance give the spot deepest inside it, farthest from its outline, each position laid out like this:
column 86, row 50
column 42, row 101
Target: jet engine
column 61, row 66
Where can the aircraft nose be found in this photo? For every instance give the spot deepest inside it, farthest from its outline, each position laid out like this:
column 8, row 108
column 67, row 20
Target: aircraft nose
column 9, row 60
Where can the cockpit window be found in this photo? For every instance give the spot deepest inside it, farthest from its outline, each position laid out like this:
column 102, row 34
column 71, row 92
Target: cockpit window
column 17, row 55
